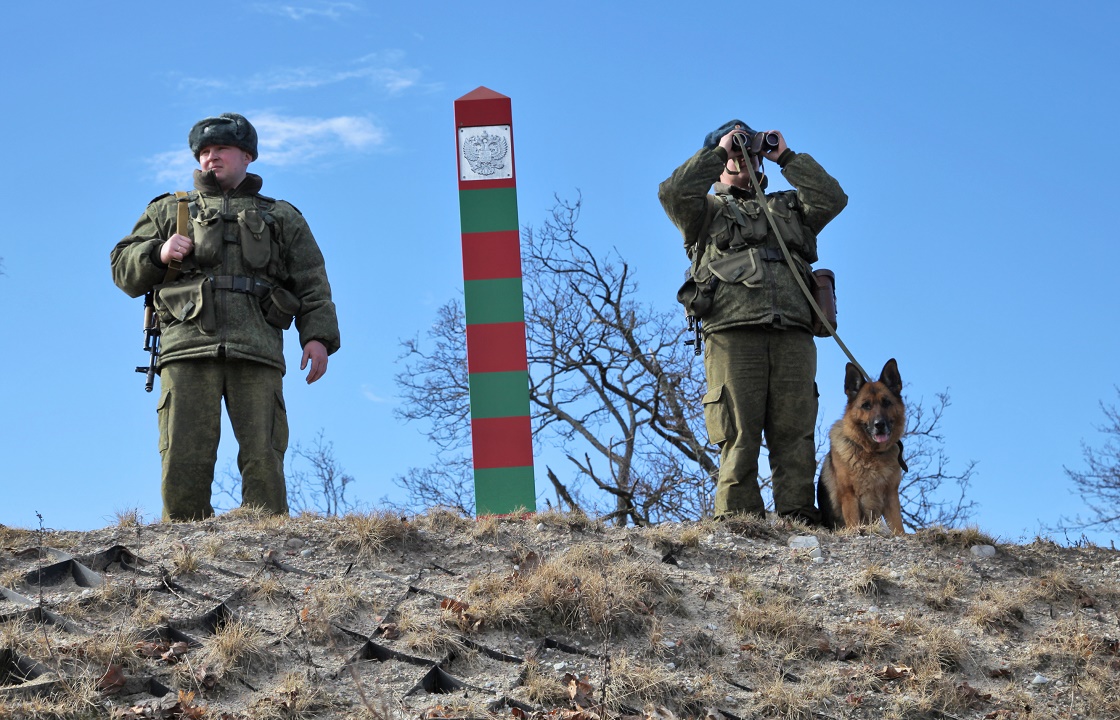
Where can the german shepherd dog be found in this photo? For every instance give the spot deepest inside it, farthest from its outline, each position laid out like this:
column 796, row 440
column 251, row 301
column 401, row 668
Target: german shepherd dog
column 863, row 469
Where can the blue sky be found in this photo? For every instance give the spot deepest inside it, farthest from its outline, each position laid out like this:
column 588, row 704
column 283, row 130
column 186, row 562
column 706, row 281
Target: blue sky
column 977, row 143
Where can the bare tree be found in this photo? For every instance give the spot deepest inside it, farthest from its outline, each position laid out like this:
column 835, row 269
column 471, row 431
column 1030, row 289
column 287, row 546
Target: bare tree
column 320, row 488
column 1099, row 483
column 929, row 476
column 612, row 381
column 613, row 385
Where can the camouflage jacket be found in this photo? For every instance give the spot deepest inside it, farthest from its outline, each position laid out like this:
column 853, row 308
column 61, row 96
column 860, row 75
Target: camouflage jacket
column 729, row 226
column 241, row 238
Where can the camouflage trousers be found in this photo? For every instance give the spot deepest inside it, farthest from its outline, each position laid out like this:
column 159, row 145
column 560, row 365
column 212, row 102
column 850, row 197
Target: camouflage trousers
column 190, row 414
column 761, row 381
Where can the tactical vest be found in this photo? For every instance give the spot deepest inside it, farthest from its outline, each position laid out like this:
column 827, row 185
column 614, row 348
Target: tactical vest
column 255, row 267
column 739, row 238
column 254, row 230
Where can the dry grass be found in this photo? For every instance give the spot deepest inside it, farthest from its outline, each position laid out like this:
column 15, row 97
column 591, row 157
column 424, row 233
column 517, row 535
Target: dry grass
column 296, row 698
column 542, row 686
column 1066, row 647
column 779, row 698
column 444, row 520
column 764, row 615
column 326, row 603
column 77, row 699
column 947, row 583
column 587, row 587
column 149, row 611
column 1055, row 585
column 635, row 683
column 872, row 580
column 128, row 518
column 184, row 561
column 571, row 521
column 12, row 578
column 371, row 533
column 211, row 546
column 487, row 527
column 423, row 630
column 959, row 539
column 233, row 648
column 997, row 608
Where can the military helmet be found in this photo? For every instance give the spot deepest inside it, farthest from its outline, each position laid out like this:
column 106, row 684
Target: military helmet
column 226, row 129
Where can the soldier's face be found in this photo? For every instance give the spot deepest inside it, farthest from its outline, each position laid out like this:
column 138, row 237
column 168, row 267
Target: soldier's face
column 228, row 163
column 745, row 165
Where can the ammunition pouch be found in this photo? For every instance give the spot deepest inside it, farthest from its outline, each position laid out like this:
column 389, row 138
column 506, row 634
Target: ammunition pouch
column 280, row 307
column 697, row 297
column 256, row 239
column 187, row 301
column 744, row 267
column 209, row 232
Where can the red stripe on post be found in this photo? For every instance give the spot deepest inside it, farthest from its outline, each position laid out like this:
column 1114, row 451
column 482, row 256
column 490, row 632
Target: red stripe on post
column 502, row 442
column 496, row 347
column 491, row 255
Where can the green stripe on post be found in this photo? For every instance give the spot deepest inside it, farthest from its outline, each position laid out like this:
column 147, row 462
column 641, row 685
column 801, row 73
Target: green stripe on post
column 488, row 210
column 504, row 490
column 493, row 301
column 499, row 394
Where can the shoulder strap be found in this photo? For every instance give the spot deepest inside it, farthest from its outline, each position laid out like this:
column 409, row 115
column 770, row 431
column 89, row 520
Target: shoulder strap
column 711, row 208
column 182, row 227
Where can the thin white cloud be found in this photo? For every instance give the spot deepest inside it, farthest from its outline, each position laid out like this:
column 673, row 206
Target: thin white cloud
column 174, row 168
column 370, row 395
column 386, row 71
column 293, row 140
column 329, row 10
column 282, row 141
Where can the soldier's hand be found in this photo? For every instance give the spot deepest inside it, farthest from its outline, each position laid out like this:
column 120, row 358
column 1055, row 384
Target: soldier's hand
column 725, row 141
column 776, row 152
column 177, row 247
column 315, row 352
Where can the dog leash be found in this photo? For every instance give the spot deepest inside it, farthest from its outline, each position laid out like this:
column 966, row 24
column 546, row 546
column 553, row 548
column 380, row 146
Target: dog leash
column 797, row 273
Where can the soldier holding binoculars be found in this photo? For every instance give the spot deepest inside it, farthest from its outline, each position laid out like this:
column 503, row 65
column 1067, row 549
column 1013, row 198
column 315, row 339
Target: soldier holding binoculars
column 759, row 354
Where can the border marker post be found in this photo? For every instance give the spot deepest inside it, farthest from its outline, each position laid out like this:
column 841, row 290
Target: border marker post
column 501, row 432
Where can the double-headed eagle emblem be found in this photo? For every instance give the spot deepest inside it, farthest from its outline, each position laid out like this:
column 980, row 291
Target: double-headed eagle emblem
column 485, row 153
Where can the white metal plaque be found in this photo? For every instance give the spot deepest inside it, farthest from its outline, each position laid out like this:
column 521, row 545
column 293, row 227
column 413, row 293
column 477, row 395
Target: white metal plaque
column 484, row 153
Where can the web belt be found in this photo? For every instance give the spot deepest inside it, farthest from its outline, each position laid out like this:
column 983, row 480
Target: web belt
column 241, row 284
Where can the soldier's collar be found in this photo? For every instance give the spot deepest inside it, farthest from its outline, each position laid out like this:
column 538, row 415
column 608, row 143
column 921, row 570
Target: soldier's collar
column 725, row 189
column 205, row 182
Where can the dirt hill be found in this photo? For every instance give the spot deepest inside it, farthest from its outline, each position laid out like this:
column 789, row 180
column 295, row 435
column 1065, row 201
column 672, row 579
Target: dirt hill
column 550, row 616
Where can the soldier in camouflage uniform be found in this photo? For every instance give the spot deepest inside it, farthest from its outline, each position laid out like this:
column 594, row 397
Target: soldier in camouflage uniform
column 248, row 266
column 759, row 353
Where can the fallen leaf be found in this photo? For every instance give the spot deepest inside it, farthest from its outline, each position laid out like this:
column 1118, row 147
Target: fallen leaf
column 113, row 680
column 894, row 672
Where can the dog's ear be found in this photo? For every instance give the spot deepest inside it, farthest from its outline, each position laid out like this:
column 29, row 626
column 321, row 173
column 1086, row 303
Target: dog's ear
column 891, row 378
column 853, row 381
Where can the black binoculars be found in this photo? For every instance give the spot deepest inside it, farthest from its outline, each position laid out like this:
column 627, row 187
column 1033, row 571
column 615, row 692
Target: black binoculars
column 755, row 143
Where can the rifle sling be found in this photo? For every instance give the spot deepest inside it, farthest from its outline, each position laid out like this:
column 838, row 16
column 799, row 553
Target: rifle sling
column 182, row 227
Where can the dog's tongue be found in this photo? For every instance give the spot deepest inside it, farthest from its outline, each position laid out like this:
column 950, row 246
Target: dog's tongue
column 881, row 438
